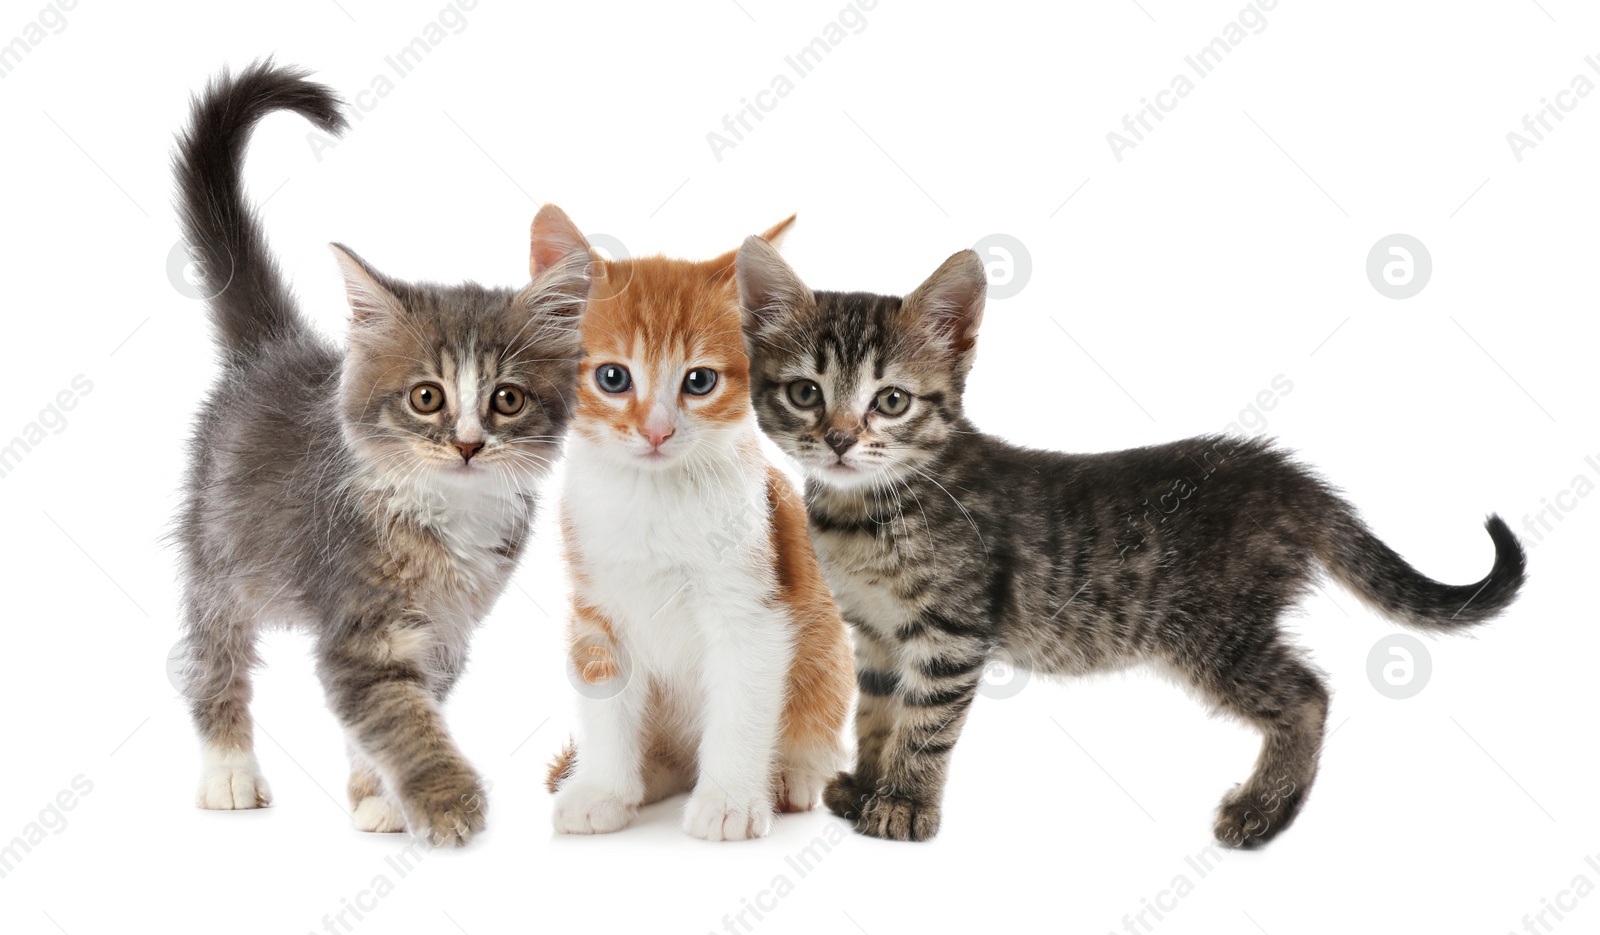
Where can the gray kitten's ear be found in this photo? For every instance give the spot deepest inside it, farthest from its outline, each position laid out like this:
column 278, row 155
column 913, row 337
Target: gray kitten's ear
column 561, row 289
column 949, row 304
column 369, row 297
column 769, row 289
column 552, row 239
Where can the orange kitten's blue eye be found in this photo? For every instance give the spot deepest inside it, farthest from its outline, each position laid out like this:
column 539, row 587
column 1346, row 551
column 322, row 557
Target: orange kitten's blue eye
column 613, row 378
column 699, row 381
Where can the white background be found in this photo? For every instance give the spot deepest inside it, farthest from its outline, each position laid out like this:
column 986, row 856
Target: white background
column 1227, row 248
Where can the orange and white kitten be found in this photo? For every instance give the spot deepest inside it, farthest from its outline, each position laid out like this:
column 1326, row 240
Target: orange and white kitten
column 712, row 656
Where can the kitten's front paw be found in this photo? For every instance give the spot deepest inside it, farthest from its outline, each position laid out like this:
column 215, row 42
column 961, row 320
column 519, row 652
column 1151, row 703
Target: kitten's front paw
column 798, row 789
column 446, row 810
column 844, row 795
column 587, row 810
column 715, row 816
column 898, row 819
column 232, row 780
column 380, row 814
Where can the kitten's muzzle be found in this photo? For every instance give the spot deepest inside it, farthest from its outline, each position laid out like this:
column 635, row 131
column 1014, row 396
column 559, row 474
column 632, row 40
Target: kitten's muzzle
column 839, row 441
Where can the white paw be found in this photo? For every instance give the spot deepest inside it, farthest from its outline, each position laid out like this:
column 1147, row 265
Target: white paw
column 376, row 813
column 231, row 779
column 582, row 810
column 716, row 817
column 798, row 789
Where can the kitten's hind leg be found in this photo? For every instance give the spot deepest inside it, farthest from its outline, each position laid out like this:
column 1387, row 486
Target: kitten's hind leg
column 373, row 807
column 220, row 651
column 1283, row 698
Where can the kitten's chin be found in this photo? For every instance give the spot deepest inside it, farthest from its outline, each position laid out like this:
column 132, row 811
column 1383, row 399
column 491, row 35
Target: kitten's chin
column 842, row 476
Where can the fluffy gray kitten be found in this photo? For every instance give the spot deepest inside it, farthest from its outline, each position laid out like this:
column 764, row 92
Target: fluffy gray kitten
column 378, row 495
column 946, row 547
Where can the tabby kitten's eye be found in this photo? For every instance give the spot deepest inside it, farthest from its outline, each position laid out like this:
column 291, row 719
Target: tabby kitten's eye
column 699, row 381
column 805, row 393
column 427, row 398
column 509, row 400
column 613, row 378
column 892, row 401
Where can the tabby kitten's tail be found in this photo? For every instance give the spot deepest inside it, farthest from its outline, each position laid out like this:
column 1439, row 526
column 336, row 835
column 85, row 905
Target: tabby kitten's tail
column 249, row 302
column 1377, row 574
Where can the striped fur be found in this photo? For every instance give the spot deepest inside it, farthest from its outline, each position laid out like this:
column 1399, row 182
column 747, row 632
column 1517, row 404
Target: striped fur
column 947, row 548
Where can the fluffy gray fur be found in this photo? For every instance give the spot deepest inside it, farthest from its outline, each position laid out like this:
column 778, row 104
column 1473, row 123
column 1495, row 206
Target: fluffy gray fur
column 321, row 495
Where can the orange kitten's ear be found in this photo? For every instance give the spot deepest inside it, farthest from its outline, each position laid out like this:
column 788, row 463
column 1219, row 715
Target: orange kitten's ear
column 722, row 267
column 775, row 233
column 369, row 297
column 769, row 289
column 554, row 236
column 949, row 305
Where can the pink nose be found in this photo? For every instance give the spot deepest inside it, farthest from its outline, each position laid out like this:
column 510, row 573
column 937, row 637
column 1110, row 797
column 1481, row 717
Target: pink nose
column 656, row 436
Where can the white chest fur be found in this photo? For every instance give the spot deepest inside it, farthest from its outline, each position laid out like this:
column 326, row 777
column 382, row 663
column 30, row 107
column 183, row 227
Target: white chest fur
column 670, row 556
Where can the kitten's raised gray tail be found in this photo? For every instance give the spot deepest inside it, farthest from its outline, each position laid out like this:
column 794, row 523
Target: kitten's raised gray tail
column 1390, row 585
column 249, row 302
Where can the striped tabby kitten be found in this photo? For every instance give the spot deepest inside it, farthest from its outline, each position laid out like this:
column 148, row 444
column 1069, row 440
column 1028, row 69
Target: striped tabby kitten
column 946, row 547
column 378, row 495
column 711, row 656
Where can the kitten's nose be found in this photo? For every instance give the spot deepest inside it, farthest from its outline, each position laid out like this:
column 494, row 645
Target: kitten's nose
column 658, row 427
column 467, row 449
column 839, row 441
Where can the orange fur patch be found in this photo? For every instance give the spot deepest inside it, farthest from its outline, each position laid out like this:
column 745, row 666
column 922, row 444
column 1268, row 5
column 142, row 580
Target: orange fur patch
column 822, row 676
column 562, row 766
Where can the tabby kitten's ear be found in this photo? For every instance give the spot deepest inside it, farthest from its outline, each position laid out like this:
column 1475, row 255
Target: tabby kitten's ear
column 769, row 289
column 948, row 306
column 724, row 267
column 369, row 297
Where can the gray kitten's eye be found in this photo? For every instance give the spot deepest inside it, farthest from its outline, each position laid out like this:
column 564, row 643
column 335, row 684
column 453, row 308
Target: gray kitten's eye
column 613, row 378
column 805, row 393
column 892, row 401
column 508, row 400
column 427, row 398
column 699, row 381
